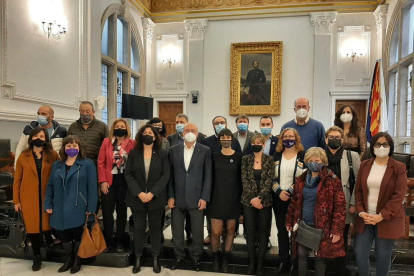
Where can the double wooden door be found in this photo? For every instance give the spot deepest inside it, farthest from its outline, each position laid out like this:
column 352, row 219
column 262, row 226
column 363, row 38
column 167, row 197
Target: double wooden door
column 167, row 112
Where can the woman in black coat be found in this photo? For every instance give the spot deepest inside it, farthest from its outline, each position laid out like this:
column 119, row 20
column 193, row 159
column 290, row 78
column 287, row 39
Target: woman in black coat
column 147, row 174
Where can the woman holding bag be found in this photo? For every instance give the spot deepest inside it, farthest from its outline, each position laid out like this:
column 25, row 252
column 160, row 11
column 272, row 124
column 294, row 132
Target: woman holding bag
column 147, row 173
column 71, row 195
column 318, row 201
column 33, row 169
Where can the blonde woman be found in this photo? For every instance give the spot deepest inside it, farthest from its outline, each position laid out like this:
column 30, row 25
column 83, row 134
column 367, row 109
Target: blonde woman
column 111, row 166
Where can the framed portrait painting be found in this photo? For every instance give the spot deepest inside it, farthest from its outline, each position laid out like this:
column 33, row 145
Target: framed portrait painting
column 256, row 78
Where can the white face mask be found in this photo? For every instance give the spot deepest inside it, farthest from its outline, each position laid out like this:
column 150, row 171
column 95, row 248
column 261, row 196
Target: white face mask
column 190, row 137
column 302, row 113
column 381, row 152
column 346, row 117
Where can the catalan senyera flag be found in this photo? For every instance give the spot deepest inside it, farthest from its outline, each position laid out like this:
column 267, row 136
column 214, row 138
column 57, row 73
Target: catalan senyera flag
column 375, row 103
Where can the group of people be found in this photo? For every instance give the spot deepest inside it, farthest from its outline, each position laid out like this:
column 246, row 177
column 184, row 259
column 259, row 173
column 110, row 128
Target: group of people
column 307, row 175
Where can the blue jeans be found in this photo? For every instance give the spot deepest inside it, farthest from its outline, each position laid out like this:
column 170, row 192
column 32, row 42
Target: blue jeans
column 383, row 251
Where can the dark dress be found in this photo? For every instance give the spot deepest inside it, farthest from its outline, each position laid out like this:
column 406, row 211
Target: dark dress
column 227, row 186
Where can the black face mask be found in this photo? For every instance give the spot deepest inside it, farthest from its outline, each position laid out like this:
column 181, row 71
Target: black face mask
column 160, row 130
column 257, row 148
column 334, row 144
column 147, row 139
column 38, row 142
column 120, row 132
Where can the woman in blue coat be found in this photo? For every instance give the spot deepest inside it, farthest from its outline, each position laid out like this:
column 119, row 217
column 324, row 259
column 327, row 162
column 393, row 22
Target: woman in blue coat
column 71, row 194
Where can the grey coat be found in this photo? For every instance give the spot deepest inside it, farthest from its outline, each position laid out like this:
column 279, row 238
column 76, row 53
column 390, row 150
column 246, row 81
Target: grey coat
column 350, row 200
column 247, row 144
column 188, row 187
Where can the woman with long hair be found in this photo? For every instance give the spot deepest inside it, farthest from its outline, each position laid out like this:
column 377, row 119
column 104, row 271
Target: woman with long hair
column 147, row 174
column 162, row 130
column 355, row 138
column 71, row 195
column 33, row 169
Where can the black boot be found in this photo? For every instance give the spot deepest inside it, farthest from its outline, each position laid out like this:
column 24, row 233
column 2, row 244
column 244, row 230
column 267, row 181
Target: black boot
column 78, row 261
column 68, row 247
column 156, row 265
column 216, row 261
column 260, row 271
column 252, row 264
column 225, row 265
column 137, row 266
column 37, row 263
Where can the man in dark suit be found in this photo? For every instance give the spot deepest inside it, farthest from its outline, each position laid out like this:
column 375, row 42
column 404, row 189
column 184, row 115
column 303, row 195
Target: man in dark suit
column 189, row 191
column 243, row 134
column 180, row 121
column 266, row 127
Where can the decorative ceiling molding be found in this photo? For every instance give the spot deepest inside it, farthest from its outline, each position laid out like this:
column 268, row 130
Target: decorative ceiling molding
column 196, row 28
column 19, row 116
column 323, row 22
column 179, row 10
column 380, row 15
column 148, row 25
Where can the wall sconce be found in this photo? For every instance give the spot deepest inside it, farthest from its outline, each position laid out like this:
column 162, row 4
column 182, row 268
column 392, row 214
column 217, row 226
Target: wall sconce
column 352, row 55
column 170, row 61
column 49, row 14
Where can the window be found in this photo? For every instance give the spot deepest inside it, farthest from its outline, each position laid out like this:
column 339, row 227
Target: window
column 120, row 63
column 400, row 67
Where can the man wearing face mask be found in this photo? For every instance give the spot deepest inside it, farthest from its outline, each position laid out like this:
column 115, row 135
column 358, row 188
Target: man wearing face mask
column 266, row 126
column 310, row 130
column 90, row 130
column 243, row 134
column 189, row 190
column 180, row 121
column 45, row 115
column 219, row 123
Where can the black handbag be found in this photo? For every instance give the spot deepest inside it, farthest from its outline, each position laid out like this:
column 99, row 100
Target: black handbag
column 308, row 236
column 13, row 233
column 351, row 179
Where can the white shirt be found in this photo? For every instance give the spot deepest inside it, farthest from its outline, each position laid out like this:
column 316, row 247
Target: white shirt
column 242, row 140
column 374, row 184
column 287, row 168
column 266, row 149
column 188, row 153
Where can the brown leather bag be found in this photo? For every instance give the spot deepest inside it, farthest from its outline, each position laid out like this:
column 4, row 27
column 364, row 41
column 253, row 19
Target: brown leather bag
column 93, row 243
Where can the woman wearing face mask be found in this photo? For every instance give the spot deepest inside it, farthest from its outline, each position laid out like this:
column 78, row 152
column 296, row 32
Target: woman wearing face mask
column 257, row 176
column 319, row 201
column 71, row 194
column 380, row 190
column 225, row 205
column 111, row 168
column 338, row 159
column 162, row 130
column 355, row 138
column 288, row 158
column 29, row 189
column 147, row 174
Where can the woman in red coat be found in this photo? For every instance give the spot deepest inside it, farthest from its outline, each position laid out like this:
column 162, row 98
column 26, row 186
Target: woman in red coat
column 318, row 200
column 379, row 193
column 111, row 166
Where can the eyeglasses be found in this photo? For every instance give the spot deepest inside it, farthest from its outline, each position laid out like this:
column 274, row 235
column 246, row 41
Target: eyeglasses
column 334, row 137
column 219, row 123
column 378, row 145
column 289, row 137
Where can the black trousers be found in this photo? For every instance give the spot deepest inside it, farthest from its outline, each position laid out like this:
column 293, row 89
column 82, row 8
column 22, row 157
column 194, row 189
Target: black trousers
column 257, row 221
column 197, row 225
column 36, row 240
column 71, row 234
column 340, row 262
column 115, row 198
column 280, row 209
column 140, row 224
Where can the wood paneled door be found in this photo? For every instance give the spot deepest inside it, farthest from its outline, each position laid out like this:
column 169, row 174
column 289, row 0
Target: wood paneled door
column 167, row 112
column 360, row 107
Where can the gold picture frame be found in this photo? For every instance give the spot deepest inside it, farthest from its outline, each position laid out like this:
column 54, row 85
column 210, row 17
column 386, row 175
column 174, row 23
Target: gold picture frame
column 251, row 91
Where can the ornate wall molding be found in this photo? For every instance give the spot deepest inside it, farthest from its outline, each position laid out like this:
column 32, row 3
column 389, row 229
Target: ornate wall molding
column 148, row 26
column 323, row 22
column 196, row 28
column 168, row 98
column 380, row 15
column 170, row 76
column 19, row 116
column 344, row 67
column 8, row 87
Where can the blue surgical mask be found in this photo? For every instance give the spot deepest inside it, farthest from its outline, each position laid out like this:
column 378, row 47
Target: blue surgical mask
column 266, row 130
column 42, row 120
column 314, row 167
column 220, row 128
column 242, row 127
column 179, row 128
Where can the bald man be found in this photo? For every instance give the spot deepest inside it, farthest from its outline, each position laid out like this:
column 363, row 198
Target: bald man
column 45, row 115
column 189, row 191
column 311, row 131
